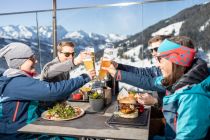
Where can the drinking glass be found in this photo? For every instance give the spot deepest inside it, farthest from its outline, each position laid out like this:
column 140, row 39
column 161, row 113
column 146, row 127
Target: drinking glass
column 89, row 60
column 106, row 62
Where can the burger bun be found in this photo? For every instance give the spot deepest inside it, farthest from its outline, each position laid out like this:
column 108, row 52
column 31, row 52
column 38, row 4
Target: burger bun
column 129, row 116
column 128, row 100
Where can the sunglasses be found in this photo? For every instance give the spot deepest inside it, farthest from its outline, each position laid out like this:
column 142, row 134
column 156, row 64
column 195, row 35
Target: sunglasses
column 154, row 49
column 67, row 54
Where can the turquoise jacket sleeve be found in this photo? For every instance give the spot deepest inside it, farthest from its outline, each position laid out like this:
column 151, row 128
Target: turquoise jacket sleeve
column 193, row 117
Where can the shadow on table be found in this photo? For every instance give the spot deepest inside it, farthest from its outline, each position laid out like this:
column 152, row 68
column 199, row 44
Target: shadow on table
column 88, row 121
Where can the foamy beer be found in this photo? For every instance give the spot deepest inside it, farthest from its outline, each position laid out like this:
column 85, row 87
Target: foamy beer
column 91, row 50
column 92, row 53
column 106, row 62
column 89, row 61
column 89, row 64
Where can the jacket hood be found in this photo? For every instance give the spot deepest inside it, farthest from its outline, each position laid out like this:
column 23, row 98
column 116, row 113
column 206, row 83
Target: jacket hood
column 14, row 73
column 8, row 75
column 196, row 74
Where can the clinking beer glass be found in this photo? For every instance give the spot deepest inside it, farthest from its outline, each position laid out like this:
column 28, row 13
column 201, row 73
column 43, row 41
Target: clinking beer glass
column 89, row 60
column 89, row 63
column 105, row 62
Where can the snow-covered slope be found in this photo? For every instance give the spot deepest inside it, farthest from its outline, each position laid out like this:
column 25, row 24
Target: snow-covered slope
column 204, row 26
column 170, row 29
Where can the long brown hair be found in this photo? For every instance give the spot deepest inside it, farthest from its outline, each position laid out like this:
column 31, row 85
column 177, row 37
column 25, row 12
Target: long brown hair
column 178, row 70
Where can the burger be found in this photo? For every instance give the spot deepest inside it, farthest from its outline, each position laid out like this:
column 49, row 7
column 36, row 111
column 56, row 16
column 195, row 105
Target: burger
column 127, row 107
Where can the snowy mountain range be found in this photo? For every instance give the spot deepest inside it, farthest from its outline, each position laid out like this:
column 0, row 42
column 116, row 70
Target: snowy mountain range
column 130, row 50
column 28, row 35
column 45, row 33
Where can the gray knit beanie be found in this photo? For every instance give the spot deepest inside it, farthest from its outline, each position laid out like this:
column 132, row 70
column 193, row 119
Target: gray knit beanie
column 16, row 54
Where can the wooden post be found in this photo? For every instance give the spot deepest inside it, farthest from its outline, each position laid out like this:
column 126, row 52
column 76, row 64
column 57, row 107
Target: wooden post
column 54, row 30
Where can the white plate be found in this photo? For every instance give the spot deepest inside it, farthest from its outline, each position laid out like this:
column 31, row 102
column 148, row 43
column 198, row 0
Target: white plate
column 82, row 112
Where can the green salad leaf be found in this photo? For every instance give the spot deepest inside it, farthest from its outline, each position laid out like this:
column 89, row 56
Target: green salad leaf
column 62, row 110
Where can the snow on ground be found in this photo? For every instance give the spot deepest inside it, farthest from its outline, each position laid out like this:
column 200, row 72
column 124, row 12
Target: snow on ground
column 202, row 28
column 170, row 29
column 134, row 52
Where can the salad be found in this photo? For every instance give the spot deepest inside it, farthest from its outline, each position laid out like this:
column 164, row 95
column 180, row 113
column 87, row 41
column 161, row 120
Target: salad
column 62, row 111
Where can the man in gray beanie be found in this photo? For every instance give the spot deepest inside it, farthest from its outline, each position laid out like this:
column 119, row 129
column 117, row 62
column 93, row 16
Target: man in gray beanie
column 20, row 93
column 16, row 54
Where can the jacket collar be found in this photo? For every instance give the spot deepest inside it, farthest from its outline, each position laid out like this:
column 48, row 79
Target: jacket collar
column 196, row 73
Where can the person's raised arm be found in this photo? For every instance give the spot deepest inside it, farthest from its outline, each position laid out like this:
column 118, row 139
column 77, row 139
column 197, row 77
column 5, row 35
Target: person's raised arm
column 147, row 71
column 33, row 89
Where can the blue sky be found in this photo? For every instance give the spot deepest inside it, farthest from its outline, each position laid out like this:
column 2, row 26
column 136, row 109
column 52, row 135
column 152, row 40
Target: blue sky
column 121, row 20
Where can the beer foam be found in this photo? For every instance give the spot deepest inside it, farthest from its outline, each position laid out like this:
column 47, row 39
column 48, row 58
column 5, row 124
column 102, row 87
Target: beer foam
column 87, row 59
column 91, row 49
column 106, row 59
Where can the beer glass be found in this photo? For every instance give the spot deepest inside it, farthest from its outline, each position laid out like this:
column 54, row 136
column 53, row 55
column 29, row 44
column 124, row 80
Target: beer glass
column 91, row 50
column 89, row 63
column 105, row 62
column 89, row 60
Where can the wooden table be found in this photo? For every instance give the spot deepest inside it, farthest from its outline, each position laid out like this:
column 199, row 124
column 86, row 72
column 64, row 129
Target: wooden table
column 90, row 125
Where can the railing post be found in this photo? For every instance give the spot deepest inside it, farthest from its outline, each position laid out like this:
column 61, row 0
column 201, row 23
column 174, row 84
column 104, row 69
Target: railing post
column 54, row 30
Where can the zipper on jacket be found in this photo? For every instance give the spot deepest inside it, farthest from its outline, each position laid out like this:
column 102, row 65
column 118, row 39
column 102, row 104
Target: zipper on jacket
column 16, row 110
